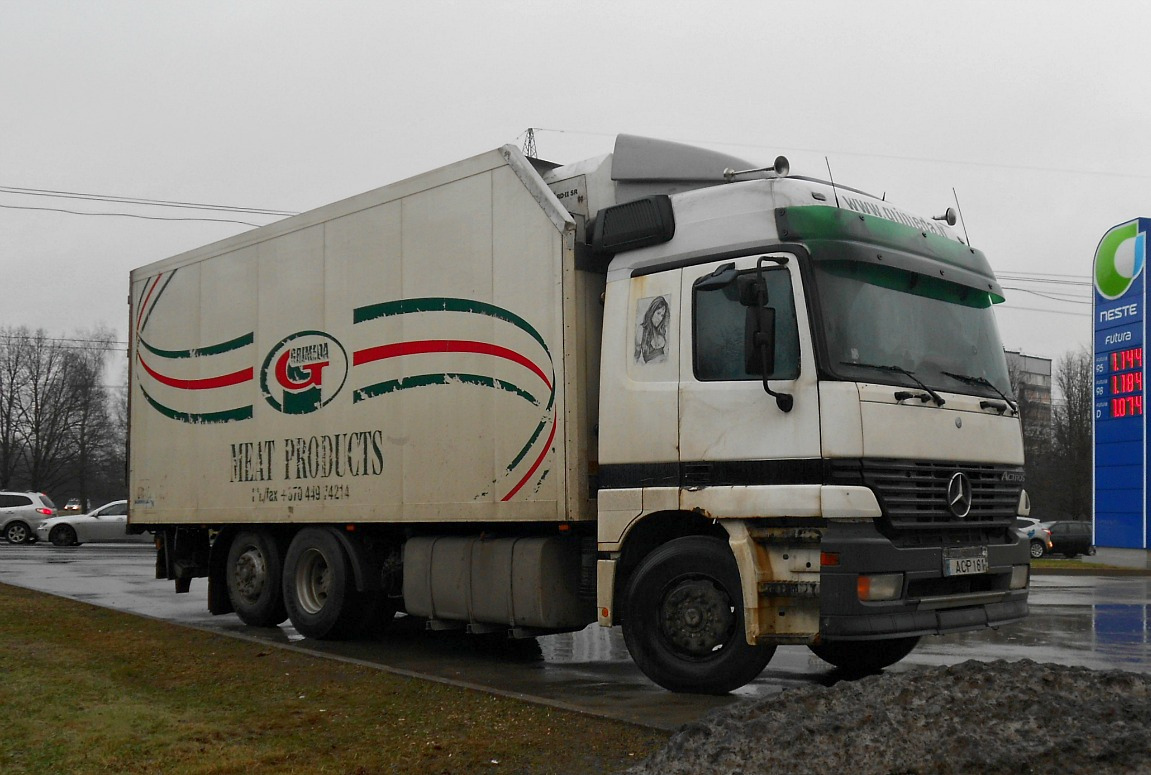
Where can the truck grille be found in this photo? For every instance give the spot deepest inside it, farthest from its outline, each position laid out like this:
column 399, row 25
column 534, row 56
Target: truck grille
column 913, row 495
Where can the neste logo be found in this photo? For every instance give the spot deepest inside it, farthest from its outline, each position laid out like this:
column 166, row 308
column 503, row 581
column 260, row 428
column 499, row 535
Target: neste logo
column 304, row 372
column 1119, row 259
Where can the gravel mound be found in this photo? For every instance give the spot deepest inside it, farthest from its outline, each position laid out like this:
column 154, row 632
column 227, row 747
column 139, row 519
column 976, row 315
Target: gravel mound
column 975, row 717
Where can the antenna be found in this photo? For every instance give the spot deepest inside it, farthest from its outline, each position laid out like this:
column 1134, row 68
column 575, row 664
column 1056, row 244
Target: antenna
column 961, row 219
column 530, row 143
column 832, row 177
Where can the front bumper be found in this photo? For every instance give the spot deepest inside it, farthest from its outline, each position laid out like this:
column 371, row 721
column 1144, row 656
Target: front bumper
column 930, row 602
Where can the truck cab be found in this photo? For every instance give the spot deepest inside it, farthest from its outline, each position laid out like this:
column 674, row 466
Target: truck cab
column 801, row 387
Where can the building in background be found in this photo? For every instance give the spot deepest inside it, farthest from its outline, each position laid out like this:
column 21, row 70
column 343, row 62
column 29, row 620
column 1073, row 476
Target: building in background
column 1031, row 383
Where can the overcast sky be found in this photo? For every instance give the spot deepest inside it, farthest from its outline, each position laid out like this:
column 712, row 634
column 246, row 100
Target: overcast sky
column 1037, row 114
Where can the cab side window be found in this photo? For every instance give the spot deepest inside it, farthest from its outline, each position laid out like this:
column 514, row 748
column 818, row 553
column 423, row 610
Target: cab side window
column 719, row 325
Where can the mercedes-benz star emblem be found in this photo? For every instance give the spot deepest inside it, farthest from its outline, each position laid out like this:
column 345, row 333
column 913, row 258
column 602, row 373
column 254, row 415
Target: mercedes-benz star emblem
column 959, row 495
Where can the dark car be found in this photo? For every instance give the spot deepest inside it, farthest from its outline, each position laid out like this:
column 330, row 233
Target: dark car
column 1071, row 539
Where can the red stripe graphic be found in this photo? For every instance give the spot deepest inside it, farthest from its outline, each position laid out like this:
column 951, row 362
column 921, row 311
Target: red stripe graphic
column 384, row 351
column 535, row 465
column 208, row 383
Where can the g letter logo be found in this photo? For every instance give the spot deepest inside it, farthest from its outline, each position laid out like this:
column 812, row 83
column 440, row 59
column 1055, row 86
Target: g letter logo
column 304, row 372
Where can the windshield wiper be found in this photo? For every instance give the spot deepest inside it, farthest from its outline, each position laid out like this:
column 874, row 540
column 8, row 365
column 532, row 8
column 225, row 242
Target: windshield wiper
column 983, row 382
column 938, row 399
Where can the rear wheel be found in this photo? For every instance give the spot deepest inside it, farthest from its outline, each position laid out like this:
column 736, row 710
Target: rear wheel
column 684, row 624
column 17, row 533
column 254, row 575
column 865, row 656
column 1037, row 549
column 63, row 535
column 319, row 591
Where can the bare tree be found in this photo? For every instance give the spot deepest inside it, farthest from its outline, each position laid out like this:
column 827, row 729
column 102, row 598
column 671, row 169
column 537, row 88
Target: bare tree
column 57, row 428
column 89, row 426
column 44, row 412
column 13, row 354
column 1071, row 442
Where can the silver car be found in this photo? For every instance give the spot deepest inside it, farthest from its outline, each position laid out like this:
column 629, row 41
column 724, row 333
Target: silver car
column 1037, row 533
column 21, row 513
column 106, row 524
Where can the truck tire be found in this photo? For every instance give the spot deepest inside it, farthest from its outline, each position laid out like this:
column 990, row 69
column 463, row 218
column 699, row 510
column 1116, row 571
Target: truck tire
column 684, row 621
column 864, row 657
column 319, row 591
column 255, row 579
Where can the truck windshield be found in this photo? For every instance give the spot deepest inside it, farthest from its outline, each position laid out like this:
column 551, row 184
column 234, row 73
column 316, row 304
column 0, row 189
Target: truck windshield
column 943, row 333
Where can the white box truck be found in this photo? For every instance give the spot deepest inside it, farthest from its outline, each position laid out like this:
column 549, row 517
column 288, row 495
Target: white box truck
column 724, row 407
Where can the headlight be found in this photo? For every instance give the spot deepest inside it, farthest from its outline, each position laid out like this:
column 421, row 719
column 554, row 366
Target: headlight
column 1020, row 575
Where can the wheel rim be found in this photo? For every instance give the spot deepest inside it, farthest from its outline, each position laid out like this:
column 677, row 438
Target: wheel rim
column 313, row 580
column 251, row 574
column 63, row 536
column 17, row 534
column 1036, row 551
column 697, row 617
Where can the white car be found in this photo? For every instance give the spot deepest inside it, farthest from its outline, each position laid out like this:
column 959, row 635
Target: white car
column 1037, row 533
column 21, row 513
column 105, row 524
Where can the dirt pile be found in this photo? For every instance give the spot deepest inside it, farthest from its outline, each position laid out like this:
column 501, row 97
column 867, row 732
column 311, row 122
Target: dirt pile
column 976, row 717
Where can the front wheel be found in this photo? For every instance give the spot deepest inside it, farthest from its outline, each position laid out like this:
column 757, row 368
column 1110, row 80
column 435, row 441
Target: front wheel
column 63, row 535
column 17, row 533
column 684, row 623
column 864, row 657
column 1037, row 549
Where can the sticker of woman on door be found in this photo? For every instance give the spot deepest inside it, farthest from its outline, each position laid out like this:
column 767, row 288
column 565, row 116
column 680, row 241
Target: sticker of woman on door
column 651, row 316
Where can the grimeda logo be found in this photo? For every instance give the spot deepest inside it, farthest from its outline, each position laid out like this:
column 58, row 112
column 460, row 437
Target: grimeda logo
column 1119, row 259
column 304, row 372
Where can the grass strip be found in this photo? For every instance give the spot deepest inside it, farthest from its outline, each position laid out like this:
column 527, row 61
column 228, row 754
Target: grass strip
column 90, row 690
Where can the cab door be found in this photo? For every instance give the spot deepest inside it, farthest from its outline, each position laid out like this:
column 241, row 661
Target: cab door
column 732, row 432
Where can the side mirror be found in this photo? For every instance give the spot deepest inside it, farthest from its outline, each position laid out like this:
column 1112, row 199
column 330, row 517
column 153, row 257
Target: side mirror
column 759, row 333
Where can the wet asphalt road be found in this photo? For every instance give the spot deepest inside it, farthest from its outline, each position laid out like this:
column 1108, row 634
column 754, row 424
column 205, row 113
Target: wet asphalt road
column 1099, row 622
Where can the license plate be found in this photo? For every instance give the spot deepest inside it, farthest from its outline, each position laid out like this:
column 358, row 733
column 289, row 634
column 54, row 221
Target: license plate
column 965, row 561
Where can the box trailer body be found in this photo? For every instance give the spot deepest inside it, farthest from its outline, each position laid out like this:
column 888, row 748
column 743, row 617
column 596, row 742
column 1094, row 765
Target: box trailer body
column 727, row 409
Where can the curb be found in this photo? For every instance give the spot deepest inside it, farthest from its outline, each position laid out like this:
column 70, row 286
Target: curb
column 1088, row 571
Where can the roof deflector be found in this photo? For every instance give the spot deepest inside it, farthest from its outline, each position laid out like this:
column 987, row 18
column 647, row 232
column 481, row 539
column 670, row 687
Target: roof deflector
column 638, row 159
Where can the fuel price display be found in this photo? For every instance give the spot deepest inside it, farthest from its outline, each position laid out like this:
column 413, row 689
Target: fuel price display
column 1125, row 382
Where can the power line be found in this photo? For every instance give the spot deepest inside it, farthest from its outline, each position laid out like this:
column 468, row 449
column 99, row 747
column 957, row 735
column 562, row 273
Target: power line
column 129, row 215
column 68, row 343
column 1067, row 299
column 1014, row 308
column 1026, row 279
column 139, row 201
column 1048, row 274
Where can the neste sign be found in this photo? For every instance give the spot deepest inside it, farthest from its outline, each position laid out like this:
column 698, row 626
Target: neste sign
column 1120, row 427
